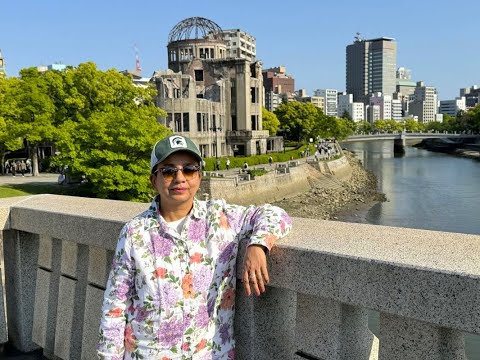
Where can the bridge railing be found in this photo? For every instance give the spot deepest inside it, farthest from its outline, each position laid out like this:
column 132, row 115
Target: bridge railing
column 325, row 276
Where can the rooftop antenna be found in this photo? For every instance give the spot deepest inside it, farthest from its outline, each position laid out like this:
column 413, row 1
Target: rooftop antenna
column 137, row 60
column 358, row 37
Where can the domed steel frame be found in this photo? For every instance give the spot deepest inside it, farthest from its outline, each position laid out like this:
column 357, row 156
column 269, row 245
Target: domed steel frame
column 201, row 27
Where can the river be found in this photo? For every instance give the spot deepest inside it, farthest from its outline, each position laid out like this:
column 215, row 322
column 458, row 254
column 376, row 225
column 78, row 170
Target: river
column 425, row 190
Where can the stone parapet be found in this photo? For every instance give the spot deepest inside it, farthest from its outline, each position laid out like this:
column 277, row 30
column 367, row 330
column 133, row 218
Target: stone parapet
column 325, row 276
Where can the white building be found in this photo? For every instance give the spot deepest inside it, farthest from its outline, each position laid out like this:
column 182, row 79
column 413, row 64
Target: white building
column 240, row 44
column 384, row 103
column 356, row 110
column 330, row 100
column 424, row 103
column 452, row 107
column 318, row 101
column 397, row 110
column 272, row 100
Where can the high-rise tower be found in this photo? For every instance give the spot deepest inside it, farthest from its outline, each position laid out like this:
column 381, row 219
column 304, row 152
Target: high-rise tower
column 371, row 67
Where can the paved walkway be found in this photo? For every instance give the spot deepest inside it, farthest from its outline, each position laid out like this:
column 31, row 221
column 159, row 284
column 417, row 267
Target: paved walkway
column 28, row 179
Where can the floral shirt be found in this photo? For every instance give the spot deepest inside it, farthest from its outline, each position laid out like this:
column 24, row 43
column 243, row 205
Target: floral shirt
column 172, row 295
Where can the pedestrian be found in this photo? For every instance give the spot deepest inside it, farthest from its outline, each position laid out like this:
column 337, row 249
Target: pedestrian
column 203, row 164
column 270, row 160
column 171, row 289
column 227, row 163
column 23, row 168
column 7, row 167
column 316, row 155
column 245, row 166
column 217, row 164
column 29, row 166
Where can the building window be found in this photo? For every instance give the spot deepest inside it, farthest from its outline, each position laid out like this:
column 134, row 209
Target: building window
column 199, row 122
column 186, row 121
column 253, row 93
column 198, row 75
column 178, row 122
column 254, row 122
column 234, row 123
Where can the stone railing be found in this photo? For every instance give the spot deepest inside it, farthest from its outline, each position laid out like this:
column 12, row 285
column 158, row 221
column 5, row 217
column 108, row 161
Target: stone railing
column 325, row 277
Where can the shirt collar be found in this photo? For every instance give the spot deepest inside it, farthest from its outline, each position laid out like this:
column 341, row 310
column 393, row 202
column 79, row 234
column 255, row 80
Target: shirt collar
column 198, row 208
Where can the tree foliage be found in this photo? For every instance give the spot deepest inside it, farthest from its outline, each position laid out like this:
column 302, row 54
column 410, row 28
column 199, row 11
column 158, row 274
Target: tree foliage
column 299, row 119
column 270, row 122
column 102, row 125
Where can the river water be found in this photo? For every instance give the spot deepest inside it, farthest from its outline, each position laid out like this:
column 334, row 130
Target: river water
column 425, row 190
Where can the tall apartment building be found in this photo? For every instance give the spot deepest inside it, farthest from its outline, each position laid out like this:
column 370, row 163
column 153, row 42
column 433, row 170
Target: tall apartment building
column 240, row 44
column 472, row 96
column 370, row 67
column 272, row 100
column 397, row 112
column 211, row 98
column 356, row 110
column 452, row 107
column 424, row 103
column 405, row 87
column 330, row 100
column 2, row 65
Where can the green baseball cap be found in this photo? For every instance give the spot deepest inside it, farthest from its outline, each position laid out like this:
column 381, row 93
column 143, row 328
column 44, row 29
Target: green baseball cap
column 169, row 145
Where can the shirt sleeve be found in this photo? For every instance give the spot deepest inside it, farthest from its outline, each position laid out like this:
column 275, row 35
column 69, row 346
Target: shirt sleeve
column 259, row 225
column 117, row 300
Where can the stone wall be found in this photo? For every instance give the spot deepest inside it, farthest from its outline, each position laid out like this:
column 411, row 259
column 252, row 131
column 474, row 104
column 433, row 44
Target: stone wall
column 275, row 185
column 324, row 277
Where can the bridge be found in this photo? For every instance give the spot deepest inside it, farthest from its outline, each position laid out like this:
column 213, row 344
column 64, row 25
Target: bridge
column 325, row 277
column 400, row 138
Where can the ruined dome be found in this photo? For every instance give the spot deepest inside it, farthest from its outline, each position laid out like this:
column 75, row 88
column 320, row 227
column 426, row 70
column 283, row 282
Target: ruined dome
column 194, row 28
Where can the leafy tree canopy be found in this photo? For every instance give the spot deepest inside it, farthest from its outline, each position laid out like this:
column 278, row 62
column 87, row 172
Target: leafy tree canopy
column 270, row 122
column 300, row 119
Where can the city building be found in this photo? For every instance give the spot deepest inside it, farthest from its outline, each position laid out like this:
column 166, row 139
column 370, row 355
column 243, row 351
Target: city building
column 372, row 113
column 330, row 99
column 471, row 95
column 384, row 103
column 2, row 65
column 278, row 81
column 452, row 107
column 356, row 110
column 55, row 66
column 405, row 87
column 318, row 101
column 397, row 111
column 240, row 44
column 214, row 99
column 302, row 93
column 272, row 100
column 370, row 67
column 424, row 103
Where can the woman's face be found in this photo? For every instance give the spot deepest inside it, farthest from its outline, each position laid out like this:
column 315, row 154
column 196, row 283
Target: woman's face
column 176, row 189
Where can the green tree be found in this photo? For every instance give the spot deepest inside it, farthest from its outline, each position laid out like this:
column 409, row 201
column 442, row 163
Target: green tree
column 270, row 122
column 32, row 112
column 412, row 125
column 299, row 118
column 333, row 127
column 364, row 127
column 346, row 115
column 9, row 140
column 110, row 131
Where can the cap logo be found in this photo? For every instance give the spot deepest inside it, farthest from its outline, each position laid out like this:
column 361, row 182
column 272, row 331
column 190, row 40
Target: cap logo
column 178, row 142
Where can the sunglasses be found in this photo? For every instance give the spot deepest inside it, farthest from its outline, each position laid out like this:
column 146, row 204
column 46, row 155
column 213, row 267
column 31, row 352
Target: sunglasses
column 170, row 172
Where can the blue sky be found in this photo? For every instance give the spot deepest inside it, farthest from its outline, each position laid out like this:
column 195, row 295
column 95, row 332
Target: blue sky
column 437, row 40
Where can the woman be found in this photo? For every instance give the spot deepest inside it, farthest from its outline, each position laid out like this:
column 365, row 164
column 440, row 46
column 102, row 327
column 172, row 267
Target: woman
column 171, row 290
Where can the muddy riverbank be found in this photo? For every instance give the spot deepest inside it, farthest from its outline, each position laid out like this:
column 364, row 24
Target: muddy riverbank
column 340, row 200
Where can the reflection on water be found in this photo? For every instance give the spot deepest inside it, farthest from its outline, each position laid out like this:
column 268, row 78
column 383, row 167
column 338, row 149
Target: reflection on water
column 425, row 190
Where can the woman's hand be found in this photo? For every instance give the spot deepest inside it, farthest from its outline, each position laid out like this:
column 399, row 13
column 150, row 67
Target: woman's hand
column 255, row 273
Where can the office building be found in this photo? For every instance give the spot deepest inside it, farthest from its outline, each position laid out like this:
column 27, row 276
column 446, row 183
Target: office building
column 424, row 103
column 370, row 67
column 356, row 110
column 472, row 95
column 278, row 81
column 330, row 99
column 384, row 103
column 452, row 107
column 240, row 44
column 318, row 101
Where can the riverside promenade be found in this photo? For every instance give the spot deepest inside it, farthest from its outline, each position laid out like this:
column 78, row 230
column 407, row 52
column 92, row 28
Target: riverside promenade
column 325, row 277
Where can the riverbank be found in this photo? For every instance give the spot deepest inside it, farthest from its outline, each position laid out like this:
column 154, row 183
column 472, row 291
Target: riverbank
column 340, row 200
